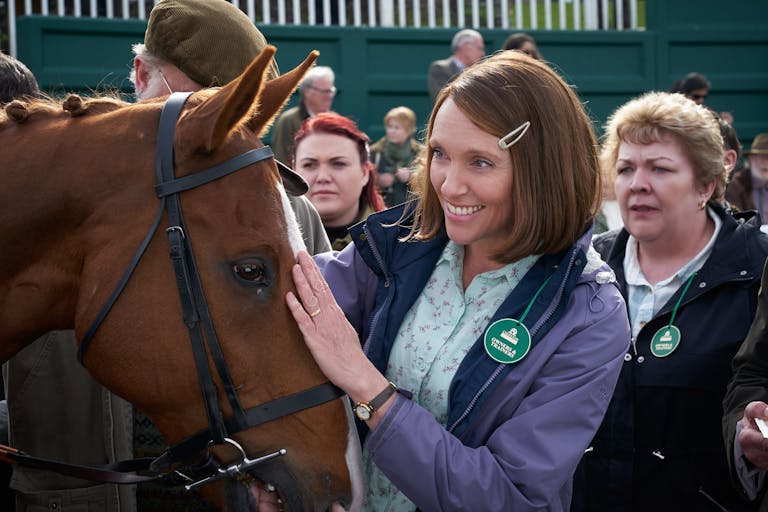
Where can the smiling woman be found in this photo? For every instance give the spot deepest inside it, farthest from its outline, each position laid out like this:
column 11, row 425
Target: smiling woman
column 462, row 322
column 472, row 176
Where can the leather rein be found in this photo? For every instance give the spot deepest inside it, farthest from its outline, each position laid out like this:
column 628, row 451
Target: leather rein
column 202, row 334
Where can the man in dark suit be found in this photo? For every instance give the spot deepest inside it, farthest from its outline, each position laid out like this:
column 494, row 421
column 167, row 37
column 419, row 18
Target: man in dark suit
column 468, row 47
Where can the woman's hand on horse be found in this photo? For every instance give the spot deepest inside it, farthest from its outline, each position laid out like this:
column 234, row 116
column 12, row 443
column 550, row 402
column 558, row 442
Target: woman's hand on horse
column 330, row 337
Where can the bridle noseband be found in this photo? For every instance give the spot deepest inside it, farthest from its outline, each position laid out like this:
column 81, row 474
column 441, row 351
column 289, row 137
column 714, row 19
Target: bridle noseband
column 202, row 334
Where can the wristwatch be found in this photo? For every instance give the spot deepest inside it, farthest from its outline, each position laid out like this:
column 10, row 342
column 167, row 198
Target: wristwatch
column 364, row 410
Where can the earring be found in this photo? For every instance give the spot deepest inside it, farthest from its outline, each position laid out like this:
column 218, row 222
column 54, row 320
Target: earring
column 702, row 205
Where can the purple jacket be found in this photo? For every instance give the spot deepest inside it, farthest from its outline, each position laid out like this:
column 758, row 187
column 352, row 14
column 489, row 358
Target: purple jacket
column 515, row 432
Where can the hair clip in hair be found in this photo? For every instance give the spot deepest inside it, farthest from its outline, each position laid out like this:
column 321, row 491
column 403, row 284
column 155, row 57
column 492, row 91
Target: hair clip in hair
column 515, row 136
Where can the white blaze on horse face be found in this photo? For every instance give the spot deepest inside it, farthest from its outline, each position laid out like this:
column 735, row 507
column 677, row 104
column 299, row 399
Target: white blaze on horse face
column 294, row 233
column 354, row 457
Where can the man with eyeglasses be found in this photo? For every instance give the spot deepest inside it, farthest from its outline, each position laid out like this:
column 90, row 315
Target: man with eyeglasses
column 468, row 47
column 317, row 93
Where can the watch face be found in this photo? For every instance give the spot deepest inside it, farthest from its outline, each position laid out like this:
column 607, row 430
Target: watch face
column 363, row 411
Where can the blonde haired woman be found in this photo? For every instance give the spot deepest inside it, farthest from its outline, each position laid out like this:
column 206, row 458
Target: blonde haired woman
column 690, row 273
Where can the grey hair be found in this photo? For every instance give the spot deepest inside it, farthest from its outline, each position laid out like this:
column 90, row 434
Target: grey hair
column 463, row 37
column 315, row 74
column 140, row 50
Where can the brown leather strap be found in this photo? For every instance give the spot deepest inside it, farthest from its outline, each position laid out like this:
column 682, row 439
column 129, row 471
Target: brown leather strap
column 123, row 472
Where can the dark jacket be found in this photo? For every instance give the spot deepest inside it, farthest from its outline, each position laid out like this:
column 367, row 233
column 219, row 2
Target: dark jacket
column 515, row 432
column 440, row 73
column 660, row 445
column 286, row 126
column 57, row 411
column 750, row 380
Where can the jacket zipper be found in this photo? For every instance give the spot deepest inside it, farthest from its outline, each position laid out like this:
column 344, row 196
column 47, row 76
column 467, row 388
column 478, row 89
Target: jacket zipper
column 535, row 329
column 388, row 298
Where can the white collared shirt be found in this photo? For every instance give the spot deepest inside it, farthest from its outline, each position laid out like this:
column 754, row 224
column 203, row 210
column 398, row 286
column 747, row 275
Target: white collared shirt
column 645, row 300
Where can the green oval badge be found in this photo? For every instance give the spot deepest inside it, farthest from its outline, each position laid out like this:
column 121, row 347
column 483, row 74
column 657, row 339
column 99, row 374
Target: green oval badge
column 507, row 340
column 665, row 341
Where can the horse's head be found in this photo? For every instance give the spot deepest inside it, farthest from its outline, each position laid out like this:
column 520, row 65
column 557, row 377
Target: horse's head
column 244, row 239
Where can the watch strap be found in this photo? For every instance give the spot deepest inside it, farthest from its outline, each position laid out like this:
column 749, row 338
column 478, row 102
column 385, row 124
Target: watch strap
column 382, row 397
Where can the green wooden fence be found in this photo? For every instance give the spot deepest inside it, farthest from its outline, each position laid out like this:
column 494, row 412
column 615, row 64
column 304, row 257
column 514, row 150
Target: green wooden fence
column 379, row 68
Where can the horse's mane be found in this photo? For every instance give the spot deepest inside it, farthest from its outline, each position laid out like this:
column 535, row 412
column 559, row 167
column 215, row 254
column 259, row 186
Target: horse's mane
column 20, row 110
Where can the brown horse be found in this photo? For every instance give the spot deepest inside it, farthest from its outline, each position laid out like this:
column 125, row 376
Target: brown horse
column 78, row 197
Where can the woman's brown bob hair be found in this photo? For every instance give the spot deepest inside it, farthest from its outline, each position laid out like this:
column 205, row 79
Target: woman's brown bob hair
column 556, row 187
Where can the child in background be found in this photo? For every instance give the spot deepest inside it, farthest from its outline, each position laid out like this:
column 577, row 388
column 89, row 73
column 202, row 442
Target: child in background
column 394, row 154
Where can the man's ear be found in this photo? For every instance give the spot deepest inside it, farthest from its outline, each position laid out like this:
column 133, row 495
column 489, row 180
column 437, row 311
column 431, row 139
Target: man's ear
column 729, row 159
column 142, row 74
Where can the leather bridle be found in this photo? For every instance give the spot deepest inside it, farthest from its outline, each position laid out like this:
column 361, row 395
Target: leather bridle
column 202, row 334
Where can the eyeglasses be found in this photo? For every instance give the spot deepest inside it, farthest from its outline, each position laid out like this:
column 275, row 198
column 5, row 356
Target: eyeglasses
column 698, row 96
column 332, row 90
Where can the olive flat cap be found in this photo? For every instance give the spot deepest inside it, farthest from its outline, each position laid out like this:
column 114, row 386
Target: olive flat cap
column 211, row 41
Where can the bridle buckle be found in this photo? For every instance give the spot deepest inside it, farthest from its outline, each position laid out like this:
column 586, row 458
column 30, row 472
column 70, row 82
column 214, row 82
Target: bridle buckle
column 235, row 470
column 176, row 228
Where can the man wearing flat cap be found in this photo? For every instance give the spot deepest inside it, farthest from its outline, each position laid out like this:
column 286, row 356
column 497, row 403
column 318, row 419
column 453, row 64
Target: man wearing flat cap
column 57, row 411
column 748, row 190
column 191, row 44
column 209, row 42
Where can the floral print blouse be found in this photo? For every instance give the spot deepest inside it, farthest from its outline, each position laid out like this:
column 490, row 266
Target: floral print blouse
column 436, row 334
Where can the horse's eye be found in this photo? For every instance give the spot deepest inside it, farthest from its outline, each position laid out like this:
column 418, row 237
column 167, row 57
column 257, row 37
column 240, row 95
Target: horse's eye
column 252, row 272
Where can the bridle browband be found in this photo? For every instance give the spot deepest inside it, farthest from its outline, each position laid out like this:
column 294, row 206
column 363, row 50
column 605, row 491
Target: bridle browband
column 202, row 334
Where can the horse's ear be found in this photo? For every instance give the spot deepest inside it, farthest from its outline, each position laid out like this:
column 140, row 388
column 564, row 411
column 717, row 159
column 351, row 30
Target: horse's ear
column 276, row 94
column 212, row 120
